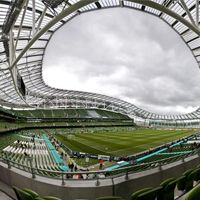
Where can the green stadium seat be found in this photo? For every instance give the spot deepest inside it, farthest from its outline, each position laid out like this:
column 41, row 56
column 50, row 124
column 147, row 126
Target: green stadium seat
column 135, row 194
column 16, row 192
column 167, row 181
column 189, row 171
column 51, row 198
column 150, row 194
column 196, row 174
column 22, row 195
column 109, row 198
column 39, row 198
column 31, row 192
column 181, row 183
column 185, row 182
column 194, row 194
column 168, row 189
column 189, row 179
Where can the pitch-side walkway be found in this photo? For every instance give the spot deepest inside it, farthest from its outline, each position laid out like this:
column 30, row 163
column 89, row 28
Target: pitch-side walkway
column 3, row 196
column 6, row 192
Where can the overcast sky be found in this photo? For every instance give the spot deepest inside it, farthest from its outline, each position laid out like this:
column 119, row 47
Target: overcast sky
column 125, row 54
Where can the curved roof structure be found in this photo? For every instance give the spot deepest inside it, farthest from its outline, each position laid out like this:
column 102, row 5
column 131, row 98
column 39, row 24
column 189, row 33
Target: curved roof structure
column 26, row 26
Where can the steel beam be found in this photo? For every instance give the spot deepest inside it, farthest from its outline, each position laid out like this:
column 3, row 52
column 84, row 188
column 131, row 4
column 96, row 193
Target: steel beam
column 197, row 13
column 81, row 4
column 188, row 12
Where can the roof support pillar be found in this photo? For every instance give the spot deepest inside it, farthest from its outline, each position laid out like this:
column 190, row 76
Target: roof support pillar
column 20, row 27
column 197, row 12
column 183, row 4
column 33, row 17
column 41, row 19
column 81, row 4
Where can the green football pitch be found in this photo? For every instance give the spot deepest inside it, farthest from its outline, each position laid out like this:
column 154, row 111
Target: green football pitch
column 120, row 143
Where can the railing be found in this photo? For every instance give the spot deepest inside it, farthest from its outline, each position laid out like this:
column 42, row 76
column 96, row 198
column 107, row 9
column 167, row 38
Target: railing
column 95, row 175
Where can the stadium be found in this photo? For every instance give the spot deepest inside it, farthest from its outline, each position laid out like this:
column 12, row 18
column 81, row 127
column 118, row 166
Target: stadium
column 58, row 144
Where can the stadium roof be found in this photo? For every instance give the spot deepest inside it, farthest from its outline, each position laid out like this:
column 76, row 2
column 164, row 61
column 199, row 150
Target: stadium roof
column 26, row 26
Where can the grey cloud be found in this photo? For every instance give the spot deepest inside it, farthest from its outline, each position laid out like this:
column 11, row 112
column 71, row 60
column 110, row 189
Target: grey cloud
column 128, row 54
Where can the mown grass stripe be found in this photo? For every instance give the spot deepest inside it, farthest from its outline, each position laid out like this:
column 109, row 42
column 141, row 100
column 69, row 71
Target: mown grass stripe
column 121, row 142
column 102, row 141
column 82, row 147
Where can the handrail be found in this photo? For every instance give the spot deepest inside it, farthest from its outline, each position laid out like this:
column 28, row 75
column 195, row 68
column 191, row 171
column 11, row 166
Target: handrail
column 95, row 175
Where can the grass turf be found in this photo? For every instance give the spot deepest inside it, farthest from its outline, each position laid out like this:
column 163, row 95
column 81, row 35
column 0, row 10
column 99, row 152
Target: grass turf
column 112, row 142
column 120, row 143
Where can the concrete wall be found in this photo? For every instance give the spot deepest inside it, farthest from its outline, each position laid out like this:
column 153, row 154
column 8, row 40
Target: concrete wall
column 87, row 189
